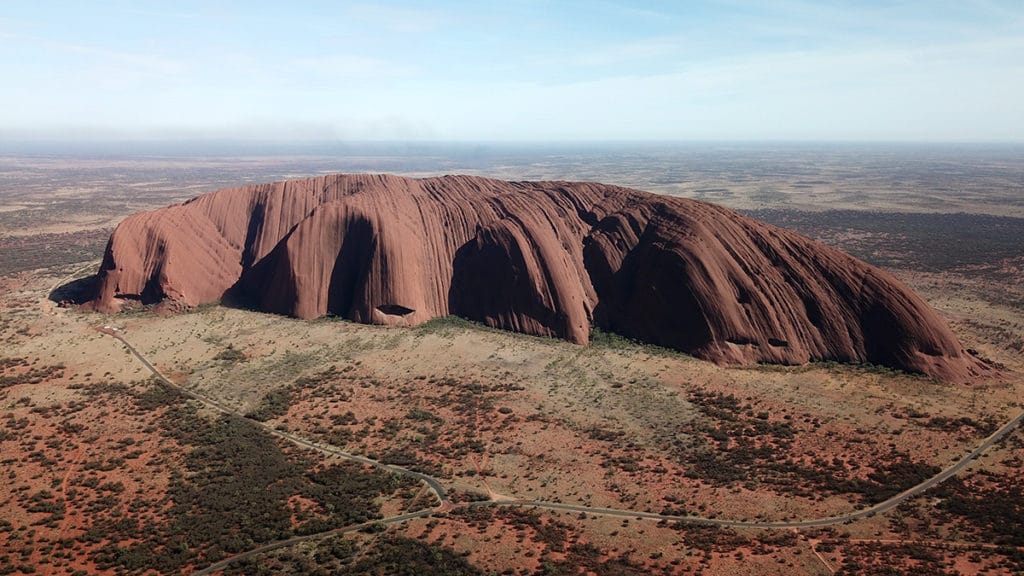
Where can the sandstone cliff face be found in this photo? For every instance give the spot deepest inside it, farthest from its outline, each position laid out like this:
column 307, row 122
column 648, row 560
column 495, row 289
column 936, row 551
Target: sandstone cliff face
column 545, row 258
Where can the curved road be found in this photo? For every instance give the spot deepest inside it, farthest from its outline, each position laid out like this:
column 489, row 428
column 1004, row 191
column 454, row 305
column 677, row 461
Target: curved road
column 813, row 523
column 443, row 501
column 218, row 566
column 430, row 481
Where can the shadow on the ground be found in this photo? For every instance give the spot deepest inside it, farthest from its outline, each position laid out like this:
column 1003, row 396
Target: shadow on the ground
column 75, row 292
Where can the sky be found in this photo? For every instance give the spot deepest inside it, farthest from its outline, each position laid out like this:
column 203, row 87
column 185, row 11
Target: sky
column 513, row 70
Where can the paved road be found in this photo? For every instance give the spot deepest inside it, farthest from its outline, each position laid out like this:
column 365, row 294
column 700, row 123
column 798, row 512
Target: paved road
column 430, row 481
column 438, row 490
column 216, row 567
column 812, row 523
column 442, row 496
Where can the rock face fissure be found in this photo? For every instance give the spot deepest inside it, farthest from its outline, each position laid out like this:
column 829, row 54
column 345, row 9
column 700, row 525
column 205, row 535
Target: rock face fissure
column 544, row 258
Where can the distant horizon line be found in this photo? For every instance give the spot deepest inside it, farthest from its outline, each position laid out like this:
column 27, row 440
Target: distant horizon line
column 287, row 142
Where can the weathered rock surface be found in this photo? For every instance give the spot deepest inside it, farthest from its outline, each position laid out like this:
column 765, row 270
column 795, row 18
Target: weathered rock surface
column 545, row 258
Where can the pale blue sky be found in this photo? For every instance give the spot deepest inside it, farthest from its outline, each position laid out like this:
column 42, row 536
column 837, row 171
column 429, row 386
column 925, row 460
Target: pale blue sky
column 513, row 70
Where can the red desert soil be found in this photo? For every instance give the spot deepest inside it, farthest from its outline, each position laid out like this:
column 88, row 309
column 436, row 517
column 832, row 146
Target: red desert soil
column 74, row 462
column 545, row 258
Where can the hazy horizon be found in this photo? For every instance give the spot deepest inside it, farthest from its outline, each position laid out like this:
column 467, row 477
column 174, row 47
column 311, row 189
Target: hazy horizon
column 245, row 147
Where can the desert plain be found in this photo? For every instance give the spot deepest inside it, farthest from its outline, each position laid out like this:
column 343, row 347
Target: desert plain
column 229, row 450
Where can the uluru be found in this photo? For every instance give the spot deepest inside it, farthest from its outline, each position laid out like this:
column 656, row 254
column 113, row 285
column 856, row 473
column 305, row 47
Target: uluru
column 545, row 258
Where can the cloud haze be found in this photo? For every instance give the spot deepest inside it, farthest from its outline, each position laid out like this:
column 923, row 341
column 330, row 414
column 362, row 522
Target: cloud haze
column 520, row 70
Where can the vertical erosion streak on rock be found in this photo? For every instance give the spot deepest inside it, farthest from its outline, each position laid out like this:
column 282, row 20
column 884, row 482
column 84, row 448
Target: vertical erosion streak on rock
column 546, row 258
column 351, row 267
column 252, row 233
column 644, row 291
column 898, row 330
column 157, row 255
column 510, row 279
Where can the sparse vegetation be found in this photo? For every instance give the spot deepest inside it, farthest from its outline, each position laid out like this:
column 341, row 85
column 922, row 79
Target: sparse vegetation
column 16, row 371
column 103, row 471
column 989, row 505
column 230, row 355
column 275, row 403
column 234, row 494
column 387, row 554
